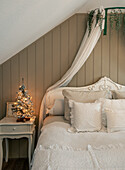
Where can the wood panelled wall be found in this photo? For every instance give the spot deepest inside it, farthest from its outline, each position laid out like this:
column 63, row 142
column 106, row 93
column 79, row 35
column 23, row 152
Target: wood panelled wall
column 46, row 60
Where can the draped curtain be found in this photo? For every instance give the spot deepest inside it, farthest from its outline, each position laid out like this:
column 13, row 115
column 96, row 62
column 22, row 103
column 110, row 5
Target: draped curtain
column 88, row 43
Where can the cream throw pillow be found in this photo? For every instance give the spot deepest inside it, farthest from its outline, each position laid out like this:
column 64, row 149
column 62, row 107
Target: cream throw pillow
column 115, row 112
column 85, row 116
column 83, row 97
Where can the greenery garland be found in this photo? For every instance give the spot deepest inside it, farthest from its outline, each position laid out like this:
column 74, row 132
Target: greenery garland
column 116, row 19
column 90, row 20
column 99, row 19
column 124, row 22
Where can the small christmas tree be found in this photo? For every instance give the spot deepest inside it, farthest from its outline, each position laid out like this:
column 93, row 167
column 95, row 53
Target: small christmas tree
column 23, row 107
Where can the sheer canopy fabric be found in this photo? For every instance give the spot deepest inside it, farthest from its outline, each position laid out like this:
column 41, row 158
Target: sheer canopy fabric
column 88, row 43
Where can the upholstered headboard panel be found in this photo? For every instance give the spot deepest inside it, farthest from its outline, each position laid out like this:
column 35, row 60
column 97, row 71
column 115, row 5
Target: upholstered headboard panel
column 103, row 84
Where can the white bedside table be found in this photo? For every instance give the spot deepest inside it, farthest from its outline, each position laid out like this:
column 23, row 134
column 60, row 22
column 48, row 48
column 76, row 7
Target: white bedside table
column 11, row 129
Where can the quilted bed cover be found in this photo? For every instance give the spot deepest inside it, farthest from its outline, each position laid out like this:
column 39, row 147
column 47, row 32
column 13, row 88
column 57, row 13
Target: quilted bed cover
column 58, row 149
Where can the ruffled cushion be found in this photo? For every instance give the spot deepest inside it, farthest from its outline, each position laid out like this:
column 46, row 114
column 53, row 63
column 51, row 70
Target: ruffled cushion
column 85, row 116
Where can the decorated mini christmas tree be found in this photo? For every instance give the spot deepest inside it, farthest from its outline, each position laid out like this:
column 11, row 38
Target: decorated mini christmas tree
column 23, row 107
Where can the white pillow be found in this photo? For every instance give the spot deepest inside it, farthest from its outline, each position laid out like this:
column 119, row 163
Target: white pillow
column 58, row 108
column 85, row 116
column 115, row 112
column 115, row 120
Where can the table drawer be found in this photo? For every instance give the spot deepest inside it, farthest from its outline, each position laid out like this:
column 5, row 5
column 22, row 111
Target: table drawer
column 14, row 129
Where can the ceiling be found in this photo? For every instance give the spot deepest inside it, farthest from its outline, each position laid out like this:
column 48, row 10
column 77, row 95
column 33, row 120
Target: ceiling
column 92, row 4
column 23, row 22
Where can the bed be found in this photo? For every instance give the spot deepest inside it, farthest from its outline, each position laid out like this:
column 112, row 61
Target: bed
column 58, row 148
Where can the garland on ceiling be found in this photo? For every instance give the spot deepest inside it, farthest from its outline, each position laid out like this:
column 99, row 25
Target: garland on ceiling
column 99, row 18
column 116, row 18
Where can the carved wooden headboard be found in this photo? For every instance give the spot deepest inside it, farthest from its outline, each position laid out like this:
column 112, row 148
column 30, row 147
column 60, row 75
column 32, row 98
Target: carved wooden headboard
column 103, row 84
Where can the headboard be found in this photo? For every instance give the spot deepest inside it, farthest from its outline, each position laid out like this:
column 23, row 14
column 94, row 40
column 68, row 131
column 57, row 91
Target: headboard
column 103, row 84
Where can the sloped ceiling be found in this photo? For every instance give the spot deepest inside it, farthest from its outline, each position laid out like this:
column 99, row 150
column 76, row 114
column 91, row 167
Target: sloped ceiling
column 24, row 21
column 92, row 4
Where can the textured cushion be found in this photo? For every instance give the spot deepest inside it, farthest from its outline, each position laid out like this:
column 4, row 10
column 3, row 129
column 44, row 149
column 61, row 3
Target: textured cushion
column 118, row 94
column 115, row 112
column 85, row 116
column 58, row 108
column 83, row 97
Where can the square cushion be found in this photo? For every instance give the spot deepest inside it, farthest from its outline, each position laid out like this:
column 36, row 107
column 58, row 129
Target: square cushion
column 83, row 97
column 85, row 116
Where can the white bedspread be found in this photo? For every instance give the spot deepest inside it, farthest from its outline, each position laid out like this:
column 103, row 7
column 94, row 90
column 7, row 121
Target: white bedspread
column 57, row 149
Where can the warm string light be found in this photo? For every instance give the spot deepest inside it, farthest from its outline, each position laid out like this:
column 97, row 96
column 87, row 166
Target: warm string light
column 23, row 107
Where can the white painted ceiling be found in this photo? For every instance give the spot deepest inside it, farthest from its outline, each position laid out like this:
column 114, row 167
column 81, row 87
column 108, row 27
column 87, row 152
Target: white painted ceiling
column 92, row 4
column 24, row 21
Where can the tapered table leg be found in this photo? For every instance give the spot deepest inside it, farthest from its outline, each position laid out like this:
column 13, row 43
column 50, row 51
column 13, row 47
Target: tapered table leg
column 7, row 149
column 29, row 149
column 1, row 153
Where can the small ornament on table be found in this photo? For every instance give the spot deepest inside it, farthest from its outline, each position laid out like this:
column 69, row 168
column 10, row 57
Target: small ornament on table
column 23, row 107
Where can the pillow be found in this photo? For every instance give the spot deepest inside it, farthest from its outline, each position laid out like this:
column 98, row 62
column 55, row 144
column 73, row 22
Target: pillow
column 113, row 104
column 104, row 103
column 58, row 108
column 83, row 97
column 85, row 116
column 118, row 94
column 115, row 120
column 103, row 113
column 115, row 112
column 107, row 103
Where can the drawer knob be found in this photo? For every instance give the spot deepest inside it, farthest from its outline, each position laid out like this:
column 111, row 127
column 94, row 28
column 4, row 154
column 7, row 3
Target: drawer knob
column 14, row 128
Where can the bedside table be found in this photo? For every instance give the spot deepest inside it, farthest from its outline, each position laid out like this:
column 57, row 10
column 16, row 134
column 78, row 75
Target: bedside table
column 10, row 129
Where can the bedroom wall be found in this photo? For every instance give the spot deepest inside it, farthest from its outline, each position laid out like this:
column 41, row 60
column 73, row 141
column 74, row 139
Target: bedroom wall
column 46, row 60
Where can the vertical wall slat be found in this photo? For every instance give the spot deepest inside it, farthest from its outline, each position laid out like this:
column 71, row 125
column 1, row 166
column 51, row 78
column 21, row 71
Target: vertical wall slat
column 14, row 76
column 64, row 47
column 23, row 63
column 105, row 53
column 56, row 54
column 97, row 61
column 48, row 61
column 6, row 85
column 39, row 75
column 31, row 72
column 113, row 54
column 72, row 44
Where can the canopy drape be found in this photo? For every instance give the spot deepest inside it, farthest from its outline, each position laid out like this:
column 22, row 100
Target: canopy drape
column 87, row 45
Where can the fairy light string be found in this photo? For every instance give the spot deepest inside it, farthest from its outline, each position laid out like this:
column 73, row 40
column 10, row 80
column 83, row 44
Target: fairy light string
column 23, row 107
